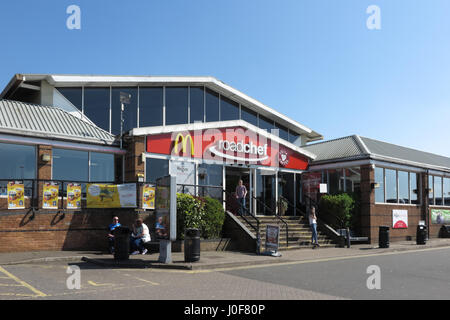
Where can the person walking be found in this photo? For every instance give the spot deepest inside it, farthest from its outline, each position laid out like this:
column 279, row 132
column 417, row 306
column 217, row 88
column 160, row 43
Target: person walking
column 241, row 193
column 313, row 226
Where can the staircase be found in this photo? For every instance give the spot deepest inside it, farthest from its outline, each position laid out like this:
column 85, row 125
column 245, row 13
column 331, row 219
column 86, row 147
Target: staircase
column 299, row 232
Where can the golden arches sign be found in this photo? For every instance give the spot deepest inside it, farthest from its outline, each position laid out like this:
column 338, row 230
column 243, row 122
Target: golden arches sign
column 184, row 140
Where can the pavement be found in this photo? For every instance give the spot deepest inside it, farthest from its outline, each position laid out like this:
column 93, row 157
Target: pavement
column 214, row 260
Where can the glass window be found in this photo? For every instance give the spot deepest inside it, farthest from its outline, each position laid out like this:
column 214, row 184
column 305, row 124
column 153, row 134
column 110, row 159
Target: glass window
column 415, row 188
column 447, row 192
column 334, row 181
column 438, row 191
column 17, row 161
column 212, row 105
column 156, row 168
column 265, row 123
column 129, row 113
column 391, row 186
column 282, row 132
column 210, row 175
column 97, row 106
column 197, row 104
column 70, row 165
column 353, row 179
column 229, row 110
column 379, row 179
column 293, row 136
column 74, row 95
column 102, row 167
column 403, row 187
column 176, row 105
column 150, row 107
column 249, row 116
column 431, row 191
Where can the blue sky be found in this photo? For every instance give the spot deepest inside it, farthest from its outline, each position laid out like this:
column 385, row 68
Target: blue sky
column 314, row 61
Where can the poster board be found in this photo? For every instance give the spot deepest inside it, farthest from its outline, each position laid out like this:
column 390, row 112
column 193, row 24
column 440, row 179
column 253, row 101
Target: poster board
column 399, row 219
column 166, row 206
column 440, row 216
column 50, row 195
column 272, row 237
column 148, row 196
column 111, row 195
column 73, row 196
column 16, row 195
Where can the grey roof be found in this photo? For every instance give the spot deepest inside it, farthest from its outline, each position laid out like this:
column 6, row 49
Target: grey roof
column 49, row 122
column 356, row 147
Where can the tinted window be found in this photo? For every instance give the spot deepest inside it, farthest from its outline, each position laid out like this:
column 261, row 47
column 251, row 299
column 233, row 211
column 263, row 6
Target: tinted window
column 74, row 95
column 17, row 161
column 447, row 191
column 438, row 190
column 129, row 113
column 96, row 106
column 391, row 186
column 265, row 124
column 379, row 179
column 212, row 106
column 102, row 167
column 415, row 189
column 229, row 110
column 150, row 107
column 430, row 186
column 197, row 104
column 176, row 105
column 249, row 116
column 70, row 165
column 155, row 168
column 293, row 136
column 403, row 187
column 282, row 132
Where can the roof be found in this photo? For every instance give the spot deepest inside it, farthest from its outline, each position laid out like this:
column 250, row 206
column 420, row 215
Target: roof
column 356, row 147
column 216, row 125
column 207, row 81
column 49, row 122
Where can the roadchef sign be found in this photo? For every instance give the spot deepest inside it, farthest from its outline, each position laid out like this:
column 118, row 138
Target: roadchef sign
column 229, row 145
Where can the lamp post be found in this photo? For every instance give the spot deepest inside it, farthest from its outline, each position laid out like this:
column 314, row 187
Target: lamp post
column 124, row 99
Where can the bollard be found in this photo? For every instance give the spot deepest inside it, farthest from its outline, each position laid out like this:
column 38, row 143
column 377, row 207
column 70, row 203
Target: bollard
column 348, row 238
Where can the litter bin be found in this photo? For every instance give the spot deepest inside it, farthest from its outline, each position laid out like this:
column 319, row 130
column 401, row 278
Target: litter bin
column 421, row 236
column 445, row 231
column 192, row 245
column 383, row 237
column 122, row 243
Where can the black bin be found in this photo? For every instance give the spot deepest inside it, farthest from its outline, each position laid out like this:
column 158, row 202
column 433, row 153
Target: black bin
column 445, row 231
column 383, row 237
column 192, row 245
column 122, row 243
column 421, row 235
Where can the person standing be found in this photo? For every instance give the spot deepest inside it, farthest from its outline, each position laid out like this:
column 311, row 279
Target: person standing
column 140, row 235
column 313, row 226
column 115, row 223
column 241, row 194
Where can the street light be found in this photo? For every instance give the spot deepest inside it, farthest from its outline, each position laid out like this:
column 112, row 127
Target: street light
column 124, row 99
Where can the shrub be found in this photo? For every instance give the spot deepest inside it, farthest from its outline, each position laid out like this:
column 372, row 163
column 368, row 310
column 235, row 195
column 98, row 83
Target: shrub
column 213, row 219
column 190, row 213
column 340, row 205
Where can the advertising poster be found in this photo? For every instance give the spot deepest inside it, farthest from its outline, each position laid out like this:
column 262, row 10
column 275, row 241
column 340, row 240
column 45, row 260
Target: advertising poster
column 148, row 197
column 50, row 195
column 399, row 219
column 272, row 237
column 111, row 195
column 74, row 196
column 16, row 197
column 440, row 216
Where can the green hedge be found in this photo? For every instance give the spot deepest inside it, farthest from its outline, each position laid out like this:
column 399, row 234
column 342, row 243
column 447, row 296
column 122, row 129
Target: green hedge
column 206, row 214
column 340, row 205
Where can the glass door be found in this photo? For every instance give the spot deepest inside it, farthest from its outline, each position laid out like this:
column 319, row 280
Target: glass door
column 265, row 192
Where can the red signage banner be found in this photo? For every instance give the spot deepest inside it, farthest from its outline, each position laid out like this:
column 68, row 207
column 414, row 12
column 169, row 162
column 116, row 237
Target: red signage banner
column 230, row 145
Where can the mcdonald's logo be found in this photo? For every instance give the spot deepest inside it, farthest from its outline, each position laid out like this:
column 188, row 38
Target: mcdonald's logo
column 184, row 141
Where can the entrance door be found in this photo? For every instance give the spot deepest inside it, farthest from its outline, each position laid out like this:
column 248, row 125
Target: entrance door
column 232, row 177
column 266, row 192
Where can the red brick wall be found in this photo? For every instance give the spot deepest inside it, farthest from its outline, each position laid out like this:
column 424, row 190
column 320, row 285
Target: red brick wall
column 50, row 230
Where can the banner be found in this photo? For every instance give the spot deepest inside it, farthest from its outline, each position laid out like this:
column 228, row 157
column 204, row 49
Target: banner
column 111, row 195
column 440, row 216
column 74, row 196
column 148, row 197
column 16, row 196
column 50, row 195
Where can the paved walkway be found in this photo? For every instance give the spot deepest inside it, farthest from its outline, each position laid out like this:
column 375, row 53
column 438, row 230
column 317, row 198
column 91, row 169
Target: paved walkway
column 215, row 259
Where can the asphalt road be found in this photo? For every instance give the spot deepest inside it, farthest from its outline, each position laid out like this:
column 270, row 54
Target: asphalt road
column 407, row 275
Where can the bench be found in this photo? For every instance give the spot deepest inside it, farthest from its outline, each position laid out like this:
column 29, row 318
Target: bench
column 353, row 238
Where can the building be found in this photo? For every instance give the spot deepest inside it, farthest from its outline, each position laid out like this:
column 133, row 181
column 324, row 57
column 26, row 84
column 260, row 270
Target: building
column 76, row 128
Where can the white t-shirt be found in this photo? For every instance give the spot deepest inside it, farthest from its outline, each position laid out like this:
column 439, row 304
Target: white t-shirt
column 145, row 232
column 312, row 220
